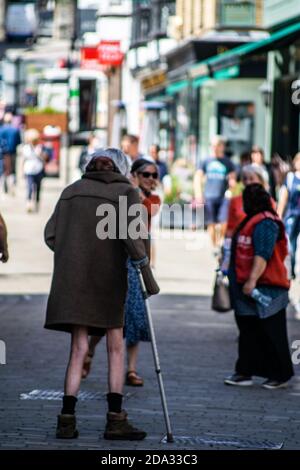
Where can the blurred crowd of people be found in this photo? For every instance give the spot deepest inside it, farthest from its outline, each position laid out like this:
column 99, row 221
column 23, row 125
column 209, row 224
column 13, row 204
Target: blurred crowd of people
column 27, row 144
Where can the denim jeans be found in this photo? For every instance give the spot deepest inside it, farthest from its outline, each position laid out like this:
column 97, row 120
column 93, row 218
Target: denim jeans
column 292, row 225
column 34, row 186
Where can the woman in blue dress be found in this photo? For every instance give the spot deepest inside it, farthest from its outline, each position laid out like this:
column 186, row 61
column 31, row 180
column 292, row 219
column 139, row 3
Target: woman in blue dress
column 144, row 178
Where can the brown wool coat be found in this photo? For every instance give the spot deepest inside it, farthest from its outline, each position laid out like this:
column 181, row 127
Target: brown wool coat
column 89, row 282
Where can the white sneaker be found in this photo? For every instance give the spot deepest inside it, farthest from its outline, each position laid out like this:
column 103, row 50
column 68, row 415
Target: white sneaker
column 239, row 380
column 274, row 384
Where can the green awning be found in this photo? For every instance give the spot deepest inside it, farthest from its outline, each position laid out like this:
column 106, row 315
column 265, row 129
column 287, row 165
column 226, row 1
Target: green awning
column 228, row 72
column 197, row 82
column 175, row 87
column 234, row 56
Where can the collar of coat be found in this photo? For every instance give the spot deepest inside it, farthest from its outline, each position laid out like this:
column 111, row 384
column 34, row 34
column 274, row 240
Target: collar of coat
column 106, row 177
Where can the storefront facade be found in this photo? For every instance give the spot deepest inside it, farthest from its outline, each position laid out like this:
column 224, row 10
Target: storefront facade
column 226, row 102
column 283, row 79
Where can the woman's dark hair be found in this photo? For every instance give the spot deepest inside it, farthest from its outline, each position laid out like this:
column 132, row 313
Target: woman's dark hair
column 256, row 149
column 256, row 199
column 101, row 164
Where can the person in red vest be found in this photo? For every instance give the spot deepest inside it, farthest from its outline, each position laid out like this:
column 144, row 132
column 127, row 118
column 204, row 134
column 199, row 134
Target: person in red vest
column 250, row 174
column 259, row 288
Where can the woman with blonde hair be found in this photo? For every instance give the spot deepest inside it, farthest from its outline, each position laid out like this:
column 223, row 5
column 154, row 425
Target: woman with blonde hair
column 33, row 166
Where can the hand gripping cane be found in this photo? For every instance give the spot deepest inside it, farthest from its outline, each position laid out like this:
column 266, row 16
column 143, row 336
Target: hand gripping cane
column 155, row 357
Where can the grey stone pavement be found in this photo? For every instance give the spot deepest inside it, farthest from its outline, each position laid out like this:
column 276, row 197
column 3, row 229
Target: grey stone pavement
column 197, row 348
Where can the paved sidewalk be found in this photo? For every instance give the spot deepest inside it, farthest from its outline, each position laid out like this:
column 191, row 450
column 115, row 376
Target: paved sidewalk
column 197, row 349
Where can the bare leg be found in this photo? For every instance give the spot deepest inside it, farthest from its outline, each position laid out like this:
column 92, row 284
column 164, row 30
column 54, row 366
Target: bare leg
column 94, row 340
column 79, row 349
column 132, row 378
column 211, row 228
column 132, row 354
column 115, row 353
column 222, row 233
column 86, row 368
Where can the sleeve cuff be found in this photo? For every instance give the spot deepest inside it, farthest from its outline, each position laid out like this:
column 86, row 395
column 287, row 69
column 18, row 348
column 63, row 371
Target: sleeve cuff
column 140, row 263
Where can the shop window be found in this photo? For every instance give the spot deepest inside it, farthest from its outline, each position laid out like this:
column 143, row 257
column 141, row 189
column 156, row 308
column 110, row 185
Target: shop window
column 161, row 12
column 236, row 13
column 87, row 104
column 141, row 22
column 236, row 124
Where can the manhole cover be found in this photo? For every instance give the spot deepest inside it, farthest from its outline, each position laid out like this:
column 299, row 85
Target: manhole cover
column 58, row 394
column 227, row 442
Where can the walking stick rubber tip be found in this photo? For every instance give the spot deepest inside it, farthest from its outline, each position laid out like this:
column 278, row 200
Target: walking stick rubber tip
column 170, row 437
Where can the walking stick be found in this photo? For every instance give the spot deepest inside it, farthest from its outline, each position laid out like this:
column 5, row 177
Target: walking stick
column 156, row 358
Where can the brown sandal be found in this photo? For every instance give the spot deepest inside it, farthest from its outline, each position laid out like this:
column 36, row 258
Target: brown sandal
column 133, row 380
column 86, row 368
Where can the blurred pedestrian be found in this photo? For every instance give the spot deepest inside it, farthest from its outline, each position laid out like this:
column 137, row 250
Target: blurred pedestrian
column 259, row 249
column 130, row 146
column 249, row 174
column 3, row 152
column 279, row 168
column 34, row 159
column 214, row 176
column 87, row 151
column 244, row 160
column 10, row 134
column 154, row 152
column 289, row 209
column 161, row 189
column 258, row 159
column 3, row 241
column 90, row 282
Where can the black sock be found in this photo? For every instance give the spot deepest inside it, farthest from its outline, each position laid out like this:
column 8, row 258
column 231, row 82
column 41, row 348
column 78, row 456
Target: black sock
column 69, row 403
column 114, row 401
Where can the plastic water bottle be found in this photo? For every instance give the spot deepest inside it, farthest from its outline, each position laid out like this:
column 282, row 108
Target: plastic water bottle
column 264, row 300
column 226, row 256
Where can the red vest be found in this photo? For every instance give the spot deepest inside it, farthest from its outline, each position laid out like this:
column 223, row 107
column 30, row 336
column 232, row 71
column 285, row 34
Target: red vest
column 275, row 273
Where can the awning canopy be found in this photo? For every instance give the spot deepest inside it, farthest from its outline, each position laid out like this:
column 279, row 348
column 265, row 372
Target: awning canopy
column 233, row 57
column 175, row 87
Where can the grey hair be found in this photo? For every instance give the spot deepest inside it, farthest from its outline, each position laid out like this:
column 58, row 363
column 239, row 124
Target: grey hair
column 254, row 170
column 119, row 158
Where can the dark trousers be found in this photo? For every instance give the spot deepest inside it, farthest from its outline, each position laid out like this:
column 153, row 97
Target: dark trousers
column 293, row 231
column 34, row 186
column 263, row 348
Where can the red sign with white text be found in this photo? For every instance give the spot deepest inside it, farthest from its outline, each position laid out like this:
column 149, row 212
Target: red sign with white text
column 89, row 58
column 109, row 53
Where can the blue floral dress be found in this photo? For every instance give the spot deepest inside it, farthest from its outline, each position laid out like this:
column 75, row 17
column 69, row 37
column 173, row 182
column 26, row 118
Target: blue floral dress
column 136, row 323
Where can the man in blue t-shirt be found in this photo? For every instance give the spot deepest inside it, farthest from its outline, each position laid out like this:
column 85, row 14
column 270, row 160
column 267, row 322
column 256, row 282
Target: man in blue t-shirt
column 212, row 179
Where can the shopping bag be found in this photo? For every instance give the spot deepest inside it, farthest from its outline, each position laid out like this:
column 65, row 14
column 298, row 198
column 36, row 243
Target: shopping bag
column 221, row 298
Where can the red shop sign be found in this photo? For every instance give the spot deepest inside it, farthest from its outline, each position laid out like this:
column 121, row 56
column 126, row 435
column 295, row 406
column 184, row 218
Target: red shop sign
column 89, row 58
column 109, row 53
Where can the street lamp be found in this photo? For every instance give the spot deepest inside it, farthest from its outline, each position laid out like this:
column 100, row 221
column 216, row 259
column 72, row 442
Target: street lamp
column 70, row 65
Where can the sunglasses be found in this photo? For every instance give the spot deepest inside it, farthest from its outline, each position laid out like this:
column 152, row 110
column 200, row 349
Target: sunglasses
column 148, row 174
